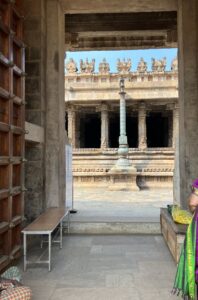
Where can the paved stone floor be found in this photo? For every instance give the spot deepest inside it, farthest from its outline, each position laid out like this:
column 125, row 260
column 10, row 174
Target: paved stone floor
column 102, row 204
column 105, row 268
column 108, row 267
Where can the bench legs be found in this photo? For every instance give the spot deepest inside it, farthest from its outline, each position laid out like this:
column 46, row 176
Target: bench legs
column 49, row 243
column 25, row 250
column 61, row 234
column 50, row 250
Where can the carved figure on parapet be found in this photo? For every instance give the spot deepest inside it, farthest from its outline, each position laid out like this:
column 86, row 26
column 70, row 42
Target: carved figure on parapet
column 174, row 65
column 86, row 66
column 158, row 65
column 124, row 66
column 142, row 66
column 71, row 66
column 104, row 67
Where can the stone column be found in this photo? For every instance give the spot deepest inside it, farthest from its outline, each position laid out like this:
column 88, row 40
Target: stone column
column 123, row 149
column 72, row 126
column 55, row 105
column 104, row 126
column 77, row 130
column 175, row 125
column 142, row 137
column 123, row 175
column 176, row 175
column 170, row 129
column 35, row 97
column 188, row 95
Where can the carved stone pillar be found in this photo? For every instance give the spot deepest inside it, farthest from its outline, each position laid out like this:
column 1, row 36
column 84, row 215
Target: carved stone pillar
column 104, row 126
column 170, row 130
column 188, row 95
column 175, row 125
column 176, row 175
column 72, row 126
column 142, row 137
column 53, row 62
column 77, row 130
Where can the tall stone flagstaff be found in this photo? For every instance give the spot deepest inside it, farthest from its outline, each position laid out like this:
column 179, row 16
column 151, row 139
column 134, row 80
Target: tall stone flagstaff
column 123, row 149
column 123, row 174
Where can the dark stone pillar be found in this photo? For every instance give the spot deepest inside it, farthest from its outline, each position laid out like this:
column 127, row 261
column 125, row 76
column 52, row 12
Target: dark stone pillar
column 188, row 95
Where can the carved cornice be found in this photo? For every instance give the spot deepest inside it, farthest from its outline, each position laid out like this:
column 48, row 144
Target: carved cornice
column 72, row 108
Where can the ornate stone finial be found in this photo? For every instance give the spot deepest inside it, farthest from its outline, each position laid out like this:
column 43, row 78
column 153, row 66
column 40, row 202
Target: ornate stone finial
column 86, row 66
column 142, row 66
column 124, row 66
column 71, row 66
column 174, row 65
column 158, row 65
column 104, row 67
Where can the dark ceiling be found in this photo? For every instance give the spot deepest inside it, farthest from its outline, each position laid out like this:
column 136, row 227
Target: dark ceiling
column 121, row 30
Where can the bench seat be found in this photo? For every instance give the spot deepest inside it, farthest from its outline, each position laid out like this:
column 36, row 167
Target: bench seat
column 45, row 224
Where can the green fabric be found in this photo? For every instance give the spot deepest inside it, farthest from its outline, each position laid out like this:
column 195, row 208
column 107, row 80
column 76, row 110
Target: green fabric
column 185, row 275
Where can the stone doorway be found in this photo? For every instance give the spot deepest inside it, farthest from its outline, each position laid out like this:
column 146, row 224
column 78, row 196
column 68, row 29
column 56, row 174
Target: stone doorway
column 139, row 26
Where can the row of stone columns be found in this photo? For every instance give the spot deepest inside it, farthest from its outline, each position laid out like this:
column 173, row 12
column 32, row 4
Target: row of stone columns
column 73, row 126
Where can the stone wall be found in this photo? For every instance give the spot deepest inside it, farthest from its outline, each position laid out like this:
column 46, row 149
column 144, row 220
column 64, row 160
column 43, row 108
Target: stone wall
column 35, row 36
column 45, row 168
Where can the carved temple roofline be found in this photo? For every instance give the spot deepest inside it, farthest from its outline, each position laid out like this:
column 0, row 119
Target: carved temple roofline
column 123, row 66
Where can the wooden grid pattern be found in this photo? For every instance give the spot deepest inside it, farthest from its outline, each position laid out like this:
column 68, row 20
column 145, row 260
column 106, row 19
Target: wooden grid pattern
column 12, row 130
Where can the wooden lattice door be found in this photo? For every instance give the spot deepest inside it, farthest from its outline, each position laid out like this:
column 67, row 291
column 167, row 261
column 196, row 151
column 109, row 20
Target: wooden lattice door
column 12, row 61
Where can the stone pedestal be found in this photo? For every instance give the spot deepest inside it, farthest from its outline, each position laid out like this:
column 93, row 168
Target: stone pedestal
column 123, row 179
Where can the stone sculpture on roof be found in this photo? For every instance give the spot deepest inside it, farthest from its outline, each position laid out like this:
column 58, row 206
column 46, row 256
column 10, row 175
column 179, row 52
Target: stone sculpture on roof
column 142, row 66
column 158, row 65
column 86, row 66
column 71, row 66
column 174, row 65
column 124, row 66
column 104, row 67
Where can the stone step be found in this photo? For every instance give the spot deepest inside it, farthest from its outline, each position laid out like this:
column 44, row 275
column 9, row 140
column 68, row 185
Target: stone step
column 113, row 227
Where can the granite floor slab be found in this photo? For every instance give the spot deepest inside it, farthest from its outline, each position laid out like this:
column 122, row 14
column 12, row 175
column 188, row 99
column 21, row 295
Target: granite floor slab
column 134, row 267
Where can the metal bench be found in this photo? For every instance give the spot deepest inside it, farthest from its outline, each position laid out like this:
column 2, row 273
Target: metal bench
column 45, row 224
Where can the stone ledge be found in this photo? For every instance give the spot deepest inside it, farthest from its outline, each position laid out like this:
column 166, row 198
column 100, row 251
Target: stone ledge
column 173, row 233
column 114, row 227
column 35, row 133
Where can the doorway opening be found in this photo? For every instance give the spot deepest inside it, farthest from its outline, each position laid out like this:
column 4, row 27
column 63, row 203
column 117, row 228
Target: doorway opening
column 89, row 134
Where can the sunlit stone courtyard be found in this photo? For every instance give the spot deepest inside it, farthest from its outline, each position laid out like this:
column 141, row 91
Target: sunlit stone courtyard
column 103, row 204
column 102, row 211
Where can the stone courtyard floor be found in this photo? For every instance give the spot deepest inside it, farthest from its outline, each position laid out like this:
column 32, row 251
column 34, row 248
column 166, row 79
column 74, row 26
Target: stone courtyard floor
column 127, row 267
column 108, row 267
column 101, row 204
